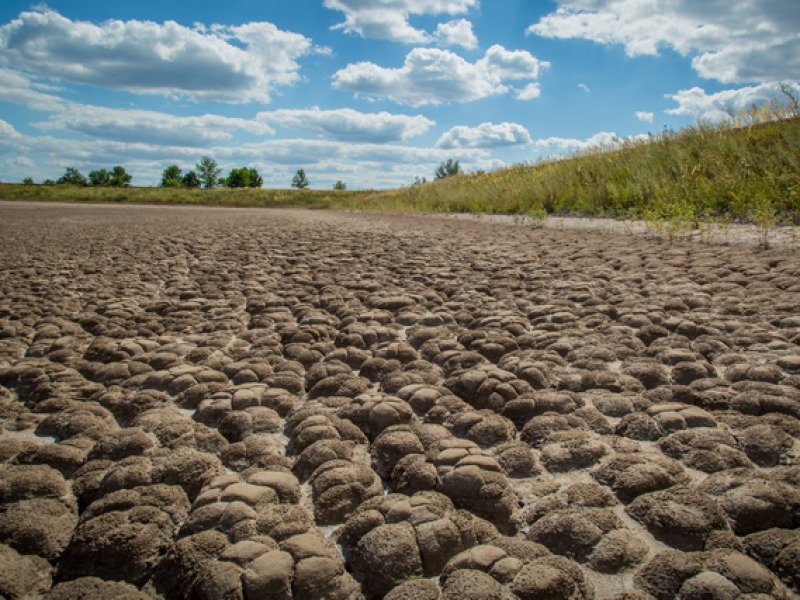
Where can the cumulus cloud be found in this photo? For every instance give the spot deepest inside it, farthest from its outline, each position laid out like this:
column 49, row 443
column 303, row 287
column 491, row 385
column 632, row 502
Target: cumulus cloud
column 436, row 76
column 743, row 41
column 456, row 33
column 529, row 92
column 346, row 124
column 228, row 64
column 389, row 19
column 558, row 145
column 150, row 126
column 644, row 116
column 697, row 103
column 485, row 135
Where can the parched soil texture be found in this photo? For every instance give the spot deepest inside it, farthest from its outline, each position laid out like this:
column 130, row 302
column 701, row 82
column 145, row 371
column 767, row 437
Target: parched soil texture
column 218, row 403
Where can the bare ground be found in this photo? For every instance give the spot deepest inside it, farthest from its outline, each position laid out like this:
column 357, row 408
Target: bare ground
column 223, row 403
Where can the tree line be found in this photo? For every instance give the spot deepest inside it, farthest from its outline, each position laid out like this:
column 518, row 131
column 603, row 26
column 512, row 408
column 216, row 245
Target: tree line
column 206, row 174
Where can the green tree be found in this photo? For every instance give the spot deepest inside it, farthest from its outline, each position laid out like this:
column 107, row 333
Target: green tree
column 256, row 181
column 300, row 181
column 119, row 177
column 171, row 177
column 340, row 185
column 447, row 168
column 191, row 180
column 99, row 177
column 72, row 176
column 208, row 171
column 238, row 178
column 28, row 181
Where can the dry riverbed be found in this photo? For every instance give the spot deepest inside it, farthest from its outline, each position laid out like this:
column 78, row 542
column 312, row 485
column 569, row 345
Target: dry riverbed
column 220, row 403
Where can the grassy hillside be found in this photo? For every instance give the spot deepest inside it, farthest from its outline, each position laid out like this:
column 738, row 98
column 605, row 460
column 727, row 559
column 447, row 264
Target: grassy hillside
column 703, row 173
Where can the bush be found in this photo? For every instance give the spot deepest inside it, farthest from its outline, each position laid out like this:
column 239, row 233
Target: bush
column 72, row 176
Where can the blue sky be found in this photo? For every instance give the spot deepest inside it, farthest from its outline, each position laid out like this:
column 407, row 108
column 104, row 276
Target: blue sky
column 370, row 92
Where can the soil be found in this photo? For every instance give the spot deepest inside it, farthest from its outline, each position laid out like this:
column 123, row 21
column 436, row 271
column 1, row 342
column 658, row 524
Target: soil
column 235, row 403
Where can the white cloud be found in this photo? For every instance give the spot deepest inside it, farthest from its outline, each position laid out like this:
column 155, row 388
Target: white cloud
column 456, row 33
column 436, row 76
column 349, row 125
column 644, row 116
column 7, row 130
column 697, row 103
column 149, row 126
column 585, row 88
column 18, row 89
column 389, row 19
column 743, row 41
column 530, row 92
column 558, row 145
column 229, row 64
column 485, row 135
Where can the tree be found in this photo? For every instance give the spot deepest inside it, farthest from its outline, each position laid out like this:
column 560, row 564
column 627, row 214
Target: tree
column 448, row 168
column 256, row 181
column 299, row 181
column 208, row 171
column 238, row 178
column 120, row 177
column 171, row 177
column 28, row 181
column 191, row 180
column 72, row 176
column 99, row 177
column 340, row 186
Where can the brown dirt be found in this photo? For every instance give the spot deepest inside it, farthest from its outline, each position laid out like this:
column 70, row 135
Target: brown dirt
column 207, row 403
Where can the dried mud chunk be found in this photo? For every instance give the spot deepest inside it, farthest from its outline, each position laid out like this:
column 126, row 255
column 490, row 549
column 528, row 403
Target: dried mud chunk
column 385, row 557
column 650, row 374
column 681, row 517
column 618, row 550
column 571, row 450
column 413, row 473
column 121, row 444
column 778, row 550
column 641, row 427
column 391, row 446
column 24, row 482
column 707, row 450
column 81, row 418
column 470, row 584
column 517, row 459
column 664, row 575
column 23, row 576
column 539, row 429
column 631, row 475
column 552, row 577
column 339, row 487
column 66, row 457
column 319, row 453
column 120, row 545
column 487, row 387
column 374, row 412
column 343, row 384
column 40, row 526
column 190, row 469
column 415, row 589
column 89, row 588
column 484, row 493
column 485, row 428
column 766, row 445
column 270, row 575
column 752, row 502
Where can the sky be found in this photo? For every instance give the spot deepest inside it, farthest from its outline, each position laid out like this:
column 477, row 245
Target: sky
column 372, row 93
